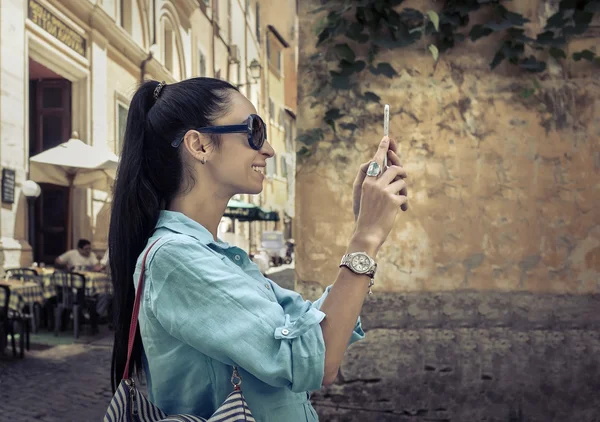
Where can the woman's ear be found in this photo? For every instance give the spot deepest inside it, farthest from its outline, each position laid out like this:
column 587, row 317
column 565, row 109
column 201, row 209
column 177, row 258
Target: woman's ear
column 197, row 145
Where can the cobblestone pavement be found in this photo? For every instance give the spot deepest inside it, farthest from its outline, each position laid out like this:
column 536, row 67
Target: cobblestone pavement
column 64, row 382
column 69, row 381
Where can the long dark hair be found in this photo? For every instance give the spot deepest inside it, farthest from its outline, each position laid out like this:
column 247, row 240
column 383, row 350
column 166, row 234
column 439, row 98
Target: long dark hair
column 151, row 172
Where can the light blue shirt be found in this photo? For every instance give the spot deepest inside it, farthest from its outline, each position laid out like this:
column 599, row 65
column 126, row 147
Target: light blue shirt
column 207, row 307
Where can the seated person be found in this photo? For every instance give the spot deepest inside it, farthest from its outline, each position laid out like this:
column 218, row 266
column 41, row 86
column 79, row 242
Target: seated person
column 104, row 262
column 80, row 258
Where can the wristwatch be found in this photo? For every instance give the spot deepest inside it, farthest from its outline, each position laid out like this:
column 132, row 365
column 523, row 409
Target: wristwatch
column 360, row 263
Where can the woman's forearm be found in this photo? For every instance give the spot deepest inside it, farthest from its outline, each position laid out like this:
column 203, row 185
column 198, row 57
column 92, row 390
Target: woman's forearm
column 342, row 307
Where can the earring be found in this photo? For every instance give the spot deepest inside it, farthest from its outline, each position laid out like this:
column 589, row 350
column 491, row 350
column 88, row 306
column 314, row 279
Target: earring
column 203, row 161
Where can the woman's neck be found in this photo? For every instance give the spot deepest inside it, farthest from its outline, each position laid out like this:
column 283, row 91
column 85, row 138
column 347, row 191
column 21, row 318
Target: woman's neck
column 204, row 207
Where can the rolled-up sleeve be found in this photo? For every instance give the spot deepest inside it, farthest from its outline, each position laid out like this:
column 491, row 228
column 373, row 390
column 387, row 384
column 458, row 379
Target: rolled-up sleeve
column 294, row 305
column 202, row 301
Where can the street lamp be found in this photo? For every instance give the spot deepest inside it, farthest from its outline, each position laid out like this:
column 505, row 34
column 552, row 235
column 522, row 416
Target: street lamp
column 255, row 71
column 31, row 190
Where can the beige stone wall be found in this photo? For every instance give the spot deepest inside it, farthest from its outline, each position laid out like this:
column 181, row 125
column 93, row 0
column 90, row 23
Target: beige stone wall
column 501, row 187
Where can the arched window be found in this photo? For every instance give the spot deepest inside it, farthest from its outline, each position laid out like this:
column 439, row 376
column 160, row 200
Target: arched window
column 168, row 45
column 171, row 44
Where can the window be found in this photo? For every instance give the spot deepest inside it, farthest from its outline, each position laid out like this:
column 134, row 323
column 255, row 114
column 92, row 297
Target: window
column 282, row 118
column 271, row 110
column 110, row 7
column 122, row 111
column 216, row 10
column 284, row 170
column 272, row 166
column 258, row 22
column 273, row 53
column 202, row 64
column 125, row 18
column 168, row 47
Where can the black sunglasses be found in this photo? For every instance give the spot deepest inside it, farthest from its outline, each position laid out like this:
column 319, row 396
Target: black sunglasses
column 254, row 127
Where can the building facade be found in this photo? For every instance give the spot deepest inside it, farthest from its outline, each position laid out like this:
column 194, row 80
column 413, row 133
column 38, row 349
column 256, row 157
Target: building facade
column 72, row 66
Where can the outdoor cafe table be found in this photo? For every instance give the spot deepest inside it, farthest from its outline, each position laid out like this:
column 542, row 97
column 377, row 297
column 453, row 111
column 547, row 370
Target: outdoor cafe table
column 95, row 283
column 22, row 293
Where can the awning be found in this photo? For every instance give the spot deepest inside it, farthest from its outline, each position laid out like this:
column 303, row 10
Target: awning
column 75, row 164
column 243, row 211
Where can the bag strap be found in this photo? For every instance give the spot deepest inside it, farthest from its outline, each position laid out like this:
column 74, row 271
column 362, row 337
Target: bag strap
column 136, row 310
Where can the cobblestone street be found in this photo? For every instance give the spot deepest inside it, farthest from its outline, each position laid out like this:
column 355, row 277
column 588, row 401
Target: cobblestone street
column 60, row 380
column 63, row 382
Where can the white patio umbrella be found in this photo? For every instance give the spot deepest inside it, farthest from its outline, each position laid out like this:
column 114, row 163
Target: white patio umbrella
column 74, row 164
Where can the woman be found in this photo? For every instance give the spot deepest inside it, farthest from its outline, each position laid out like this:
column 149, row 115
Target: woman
column 206, row 307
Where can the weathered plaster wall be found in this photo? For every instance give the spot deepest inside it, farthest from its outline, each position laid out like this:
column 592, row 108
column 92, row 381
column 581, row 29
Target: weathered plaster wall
column 501, row 187
column 486, row 304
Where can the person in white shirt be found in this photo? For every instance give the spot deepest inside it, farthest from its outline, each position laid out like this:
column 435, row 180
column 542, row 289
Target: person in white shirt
column 104, row 261
column 80, row 257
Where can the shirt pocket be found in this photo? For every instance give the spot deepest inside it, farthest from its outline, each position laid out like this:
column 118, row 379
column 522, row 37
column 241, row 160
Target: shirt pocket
column 261, row 286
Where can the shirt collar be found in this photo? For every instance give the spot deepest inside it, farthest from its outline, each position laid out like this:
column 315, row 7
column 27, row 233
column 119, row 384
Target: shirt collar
column 180, row 223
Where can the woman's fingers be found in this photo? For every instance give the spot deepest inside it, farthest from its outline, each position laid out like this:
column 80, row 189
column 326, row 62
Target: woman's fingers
column 393, row 158
column 391, row 174
column 382, row 151
column 397, row 187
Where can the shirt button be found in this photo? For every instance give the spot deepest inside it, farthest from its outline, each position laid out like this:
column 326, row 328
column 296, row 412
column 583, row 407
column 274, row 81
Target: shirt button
column 268, row 286
column 237, row 257
column 285, row 332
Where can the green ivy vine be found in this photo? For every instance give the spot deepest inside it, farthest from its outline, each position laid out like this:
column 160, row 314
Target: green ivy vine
column 354, row 32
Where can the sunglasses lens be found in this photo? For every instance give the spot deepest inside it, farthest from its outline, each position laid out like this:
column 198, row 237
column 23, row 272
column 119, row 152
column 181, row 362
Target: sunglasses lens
column 258, row 132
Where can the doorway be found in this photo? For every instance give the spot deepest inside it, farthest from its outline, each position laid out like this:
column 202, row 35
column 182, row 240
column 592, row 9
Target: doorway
column 50, row 125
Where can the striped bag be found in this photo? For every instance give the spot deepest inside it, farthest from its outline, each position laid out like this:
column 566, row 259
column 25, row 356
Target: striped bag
column 129, row 405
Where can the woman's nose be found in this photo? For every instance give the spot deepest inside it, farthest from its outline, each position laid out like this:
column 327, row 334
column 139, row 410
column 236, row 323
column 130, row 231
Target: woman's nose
column 267, row 150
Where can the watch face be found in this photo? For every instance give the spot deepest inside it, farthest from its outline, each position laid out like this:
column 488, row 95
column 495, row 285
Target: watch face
column 361, row 263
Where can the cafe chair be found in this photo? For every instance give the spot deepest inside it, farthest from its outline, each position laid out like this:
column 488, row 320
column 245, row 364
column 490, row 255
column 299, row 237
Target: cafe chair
column 8, row 319
column 25, row 275
column 71, row 298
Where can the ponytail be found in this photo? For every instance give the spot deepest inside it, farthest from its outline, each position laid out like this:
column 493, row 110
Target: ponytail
column 137, row 200
column 150, row 174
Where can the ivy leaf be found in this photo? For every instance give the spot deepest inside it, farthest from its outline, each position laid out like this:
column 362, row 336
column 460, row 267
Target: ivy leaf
column 341, row 82
column 557, row 20
column 354, row 30
column 567, row 4
column 527, row 92
column 500, row 26
column 513, row 50
column 343, row 51
column 317, row 10
column 348, row 68
column 531, row 64
column 518, row 34
column 547, row 38
column 323, row 36
column 435, row 19
column 371, row 97
column 498, row 58
column 479, row 31
column 333, row 114
column 592, row 7
column 582, row 18
column 349, row 126
column 585, row 55
column 310, row 136
column 383, row 69
column 434, row 52
column 516, row 19
column 304, row 152
column 557, row 53
column 409, row 15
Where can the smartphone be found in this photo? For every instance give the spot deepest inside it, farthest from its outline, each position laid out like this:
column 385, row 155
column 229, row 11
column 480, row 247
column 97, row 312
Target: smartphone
column 386, row 128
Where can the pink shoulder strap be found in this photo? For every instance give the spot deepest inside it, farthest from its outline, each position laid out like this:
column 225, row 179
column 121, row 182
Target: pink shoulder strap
column 136, row 311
